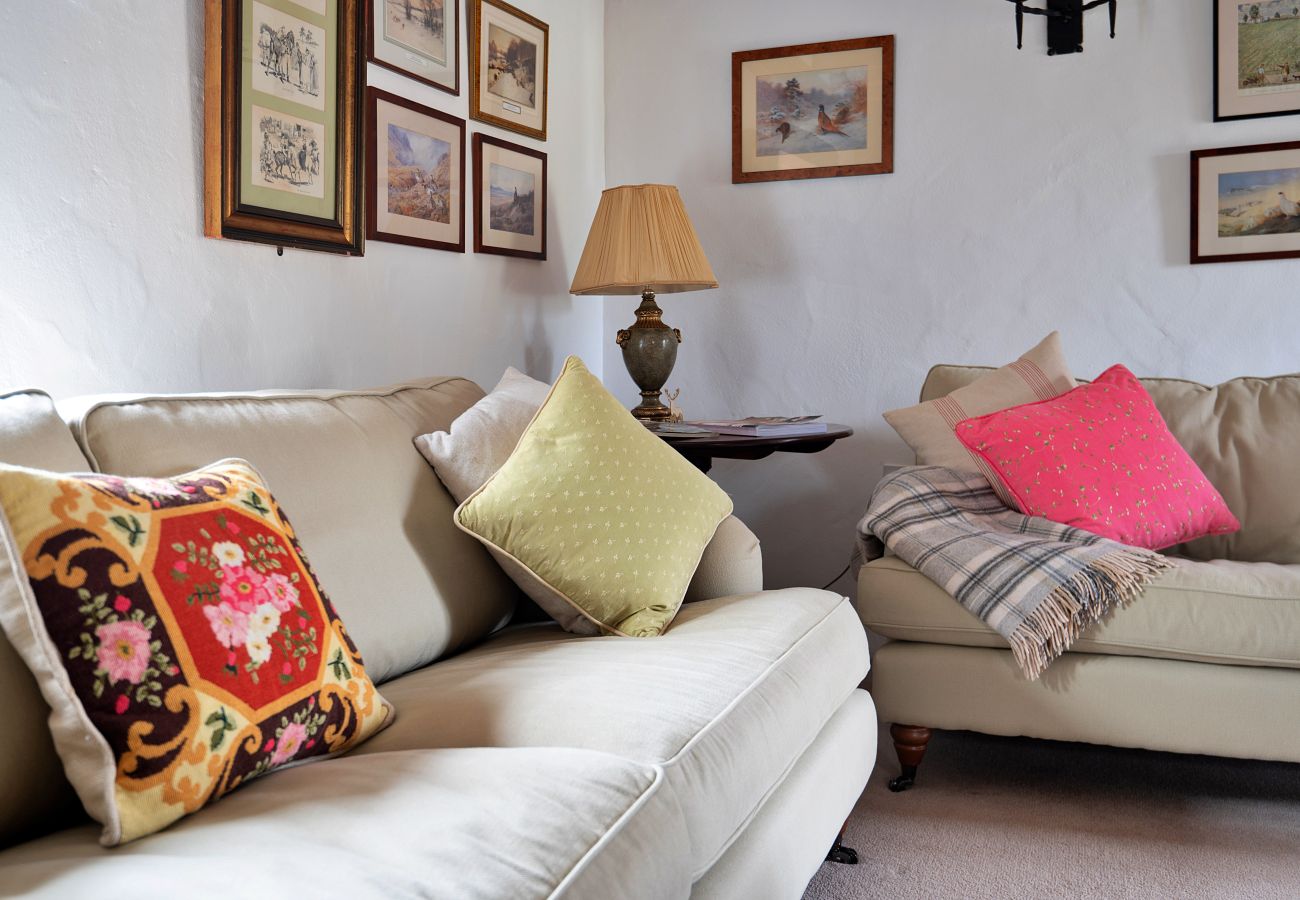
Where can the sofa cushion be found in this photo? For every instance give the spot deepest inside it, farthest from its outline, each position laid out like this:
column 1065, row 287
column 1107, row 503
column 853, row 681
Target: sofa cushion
column 1241, row 434
column 725, row 701
column 1231, row 613
column 179, row 636
column 34, row 795
column 378, row 522
column 473, row 824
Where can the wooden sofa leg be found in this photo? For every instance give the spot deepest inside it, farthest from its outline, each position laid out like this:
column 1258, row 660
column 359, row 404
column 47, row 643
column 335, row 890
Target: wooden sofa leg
column 841, row 854
column 909, row 743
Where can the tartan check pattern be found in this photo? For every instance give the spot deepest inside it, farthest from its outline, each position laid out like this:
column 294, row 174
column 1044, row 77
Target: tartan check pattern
column 1037, row 583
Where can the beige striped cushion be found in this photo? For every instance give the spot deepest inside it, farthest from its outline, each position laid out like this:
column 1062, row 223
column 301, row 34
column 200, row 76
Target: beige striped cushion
column 1040, row 374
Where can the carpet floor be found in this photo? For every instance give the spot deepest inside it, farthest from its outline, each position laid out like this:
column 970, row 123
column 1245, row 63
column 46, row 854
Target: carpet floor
column 1014, row 818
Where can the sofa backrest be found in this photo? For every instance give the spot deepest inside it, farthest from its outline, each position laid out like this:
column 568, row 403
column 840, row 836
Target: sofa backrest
column 1242, row 433
column 371, row 514
column 34, row 796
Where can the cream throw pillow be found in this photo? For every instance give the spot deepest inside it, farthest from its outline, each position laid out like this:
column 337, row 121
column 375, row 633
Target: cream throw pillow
column 483, row 436
column 928, row 428
column 595, row 518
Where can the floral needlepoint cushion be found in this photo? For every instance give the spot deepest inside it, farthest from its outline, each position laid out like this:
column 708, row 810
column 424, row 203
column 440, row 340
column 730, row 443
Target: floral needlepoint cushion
column 1101, row 458
column 179, row 635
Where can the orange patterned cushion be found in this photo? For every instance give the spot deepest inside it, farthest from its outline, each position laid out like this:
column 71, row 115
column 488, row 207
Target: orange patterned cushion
column 179, row 635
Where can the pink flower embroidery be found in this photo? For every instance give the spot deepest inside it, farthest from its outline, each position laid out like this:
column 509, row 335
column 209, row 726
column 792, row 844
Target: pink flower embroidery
column 122, row 603
column 283, row 594
column 229, row 625
column 181, row 565
column 291, row 741
column 123, row 701
column 232, row 528
column 123, row 650
column 243, row 588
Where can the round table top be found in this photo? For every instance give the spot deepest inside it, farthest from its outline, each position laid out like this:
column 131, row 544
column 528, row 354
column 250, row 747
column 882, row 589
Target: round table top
column 706, row 442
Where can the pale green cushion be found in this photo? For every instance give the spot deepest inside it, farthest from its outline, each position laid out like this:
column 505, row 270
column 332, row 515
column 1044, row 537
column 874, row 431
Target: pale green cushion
column 598, row 520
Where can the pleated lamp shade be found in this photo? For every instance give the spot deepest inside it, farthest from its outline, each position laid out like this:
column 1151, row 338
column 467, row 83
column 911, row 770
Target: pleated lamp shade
column 642, row 239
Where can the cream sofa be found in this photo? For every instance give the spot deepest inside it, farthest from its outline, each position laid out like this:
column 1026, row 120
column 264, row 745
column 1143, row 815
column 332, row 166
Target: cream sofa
column 716, row 761
column 1205, row 661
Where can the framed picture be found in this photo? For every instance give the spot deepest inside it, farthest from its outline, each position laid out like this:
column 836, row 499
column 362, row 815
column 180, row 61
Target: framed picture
column 419, row 38
column 509, row 199
column 509, row 51
column 813, row 110
column 1246, row 203
column 415, row 174
column 1256, row 59
column 282, row 123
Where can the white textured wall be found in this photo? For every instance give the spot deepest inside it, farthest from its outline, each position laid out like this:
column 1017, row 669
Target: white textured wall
column 106, row 282
column 1030, row 193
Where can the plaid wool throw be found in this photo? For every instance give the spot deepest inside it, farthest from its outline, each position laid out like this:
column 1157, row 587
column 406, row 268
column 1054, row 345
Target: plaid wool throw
column 1037, row 583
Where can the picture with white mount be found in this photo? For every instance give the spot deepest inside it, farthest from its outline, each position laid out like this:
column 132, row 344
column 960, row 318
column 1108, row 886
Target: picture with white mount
column 418, row 25
column 289, row 61
column 811, row 112
column 1268, row 46
column 1256, row 203
column 511, row 193
column 512, row 67
column 419, row 175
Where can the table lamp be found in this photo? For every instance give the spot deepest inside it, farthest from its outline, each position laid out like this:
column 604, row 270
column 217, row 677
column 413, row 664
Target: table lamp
column 642, row 242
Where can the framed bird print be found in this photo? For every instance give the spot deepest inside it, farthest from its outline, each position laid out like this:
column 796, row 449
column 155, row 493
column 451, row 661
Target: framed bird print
column 419, row 38
column 813, row 110
column 509, row 199
column 1246, row 203
column 415, row 173
column 509, row 52
column 1256, row 59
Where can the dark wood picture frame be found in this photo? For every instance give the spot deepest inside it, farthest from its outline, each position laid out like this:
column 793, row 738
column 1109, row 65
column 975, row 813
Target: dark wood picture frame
column 1197, row 254
column 372, row 36
column 476, row 49
column 885, row 43
column 373, row 188
column 1219, row 87
column 225, row 214
column 480, row 214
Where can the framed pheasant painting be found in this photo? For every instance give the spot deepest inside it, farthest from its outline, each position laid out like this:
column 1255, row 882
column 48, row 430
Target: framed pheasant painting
column 1246, row 203
column 813, row 110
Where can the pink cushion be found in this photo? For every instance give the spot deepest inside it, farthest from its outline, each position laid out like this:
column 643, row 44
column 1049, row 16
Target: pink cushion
column 1101, row 458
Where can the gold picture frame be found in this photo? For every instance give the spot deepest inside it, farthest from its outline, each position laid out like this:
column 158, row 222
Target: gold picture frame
column 282, row 151
column 508, row 61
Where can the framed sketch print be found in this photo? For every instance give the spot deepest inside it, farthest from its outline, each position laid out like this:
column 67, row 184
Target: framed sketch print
column 813, row 110
column 419, row 38
column 1246, row 203
column 415, row 173
column 1256, row 59
column 509, row 199
column 282, row 123
column 509, row 52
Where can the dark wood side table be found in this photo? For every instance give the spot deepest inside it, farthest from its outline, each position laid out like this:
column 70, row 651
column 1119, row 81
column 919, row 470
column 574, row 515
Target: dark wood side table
column 702, row 449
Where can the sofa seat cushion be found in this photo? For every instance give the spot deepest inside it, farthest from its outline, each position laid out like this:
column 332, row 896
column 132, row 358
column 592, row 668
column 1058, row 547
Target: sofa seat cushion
column 431, row 823
column 1231, row 613
column 410, row 586
column 725, row 701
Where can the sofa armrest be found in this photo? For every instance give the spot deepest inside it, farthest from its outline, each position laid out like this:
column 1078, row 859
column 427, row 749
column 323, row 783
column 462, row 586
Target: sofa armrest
column 731, row 564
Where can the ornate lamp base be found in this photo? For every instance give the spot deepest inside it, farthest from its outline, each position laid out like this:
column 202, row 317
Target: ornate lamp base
column 649, row 352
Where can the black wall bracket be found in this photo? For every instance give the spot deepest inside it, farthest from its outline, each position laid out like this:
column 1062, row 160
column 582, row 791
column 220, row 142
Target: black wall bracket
column 1064, row 23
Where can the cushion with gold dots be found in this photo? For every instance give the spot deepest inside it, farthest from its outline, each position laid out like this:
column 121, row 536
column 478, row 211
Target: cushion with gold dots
column 598, row 520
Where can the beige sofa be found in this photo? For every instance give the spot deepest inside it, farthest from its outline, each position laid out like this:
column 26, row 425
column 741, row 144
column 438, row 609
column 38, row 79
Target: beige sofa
column 1205, row 661
column 716, row 761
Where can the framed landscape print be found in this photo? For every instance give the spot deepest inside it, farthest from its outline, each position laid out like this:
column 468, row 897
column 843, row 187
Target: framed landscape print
column 1246, row 203
column 509, row 199
column 419, row 38
column 1256, row 59
column 282, row 131
column 509, row 51
column 415, row 173
column 813, row 110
